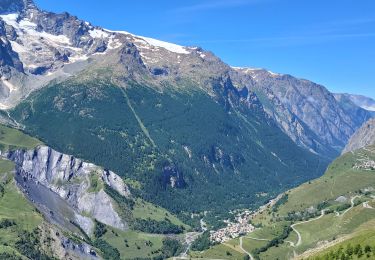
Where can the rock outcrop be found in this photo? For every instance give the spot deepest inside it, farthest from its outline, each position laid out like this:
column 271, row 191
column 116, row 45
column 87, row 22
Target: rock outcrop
column 78, row 183
column 365, row 136
column 307, row 112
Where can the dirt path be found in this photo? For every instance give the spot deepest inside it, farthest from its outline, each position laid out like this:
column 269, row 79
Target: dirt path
column 366, row 205
column 241, row 242
column 259, row 239
column 299, row 241
column 352, row 204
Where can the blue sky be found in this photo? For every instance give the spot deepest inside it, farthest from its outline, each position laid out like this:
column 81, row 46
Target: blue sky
column 331, row 42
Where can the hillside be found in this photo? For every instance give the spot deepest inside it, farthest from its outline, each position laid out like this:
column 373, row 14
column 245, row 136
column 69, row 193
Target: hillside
column 177, row 120
column 54, row 205
column 307, row 112
column 138, row 146
column 333, row 210
column 37, row 53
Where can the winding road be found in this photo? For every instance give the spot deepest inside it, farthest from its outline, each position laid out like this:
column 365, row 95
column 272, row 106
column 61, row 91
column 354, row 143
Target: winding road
column 299, row 241
column 352, row 204
column 241, row 242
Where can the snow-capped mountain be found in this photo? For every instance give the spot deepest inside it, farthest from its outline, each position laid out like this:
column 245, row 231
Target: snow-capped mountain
column 39, row 47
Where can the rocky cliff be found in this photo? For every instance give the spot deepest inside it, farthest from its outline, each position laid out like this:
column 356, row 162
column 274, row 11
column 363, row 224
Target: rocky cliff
column 79, row 184
column 363, row 137
column 308, row 112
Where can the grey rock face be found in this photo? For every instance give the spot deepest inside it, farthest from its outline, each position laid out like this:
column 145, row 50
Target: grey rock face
column 361, row 101
column 363, row 137
column 79, row 183
column 65, row 248
column 308, row 112
column 10, row 6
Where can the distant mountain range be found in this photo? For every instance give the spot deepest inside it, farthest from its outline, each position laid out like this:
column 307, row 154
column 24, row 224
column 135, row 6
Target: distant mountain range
column 361, row 101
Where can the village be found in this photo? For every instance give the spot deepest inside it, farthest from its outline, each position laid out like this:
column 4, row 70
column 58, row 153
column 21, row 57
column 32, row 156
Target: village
column 241, row 225
column 235, row 229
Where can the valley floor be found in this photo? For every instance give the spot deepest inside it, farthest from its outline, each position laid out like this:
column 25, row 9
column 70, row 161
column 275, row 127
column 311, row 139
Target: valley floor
column 313, row 220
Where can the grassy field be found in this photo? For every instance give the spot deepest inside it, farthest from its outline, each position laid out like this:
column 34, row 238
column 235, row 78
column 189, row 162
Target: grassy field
column 14, row 206
column 250, row 244
column 15, row 139
column 340, row 179
column 269, row 232
column 145, row 210
column 330, row 227
column 220, row 252
column 134, row 244
column 282, row 252
column 363, row 238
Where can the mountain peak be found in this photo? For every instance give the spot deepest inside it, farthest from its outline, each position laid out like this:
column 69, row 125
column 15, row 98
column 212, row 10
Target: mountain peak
column 16, row 6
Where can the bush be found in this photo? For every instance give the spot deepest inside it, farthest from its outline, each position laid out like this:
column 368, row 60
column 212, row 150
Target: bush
column 5, row 223
column 29, row 245
column 109, row 252
column 100, row 229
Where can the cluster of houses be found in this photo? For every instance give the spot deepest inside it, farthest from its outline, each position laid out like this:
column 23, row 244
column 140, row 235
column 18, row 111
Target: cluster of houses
column 241, row 226
column 365, row 165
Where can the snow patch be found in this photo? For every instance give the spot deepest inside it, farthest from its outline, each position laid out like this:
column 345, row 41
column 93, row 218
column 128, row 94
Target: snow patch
column 98, row 34
column 166, row 45
column 249, row 70
column 58, row 39
column 156, row 43
column 30, row 28
column 27, row 25
column 78, row 58
column 246, row 69
column 369, row 108
column 17, row 47
column 10, row 19
column 273, row 73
